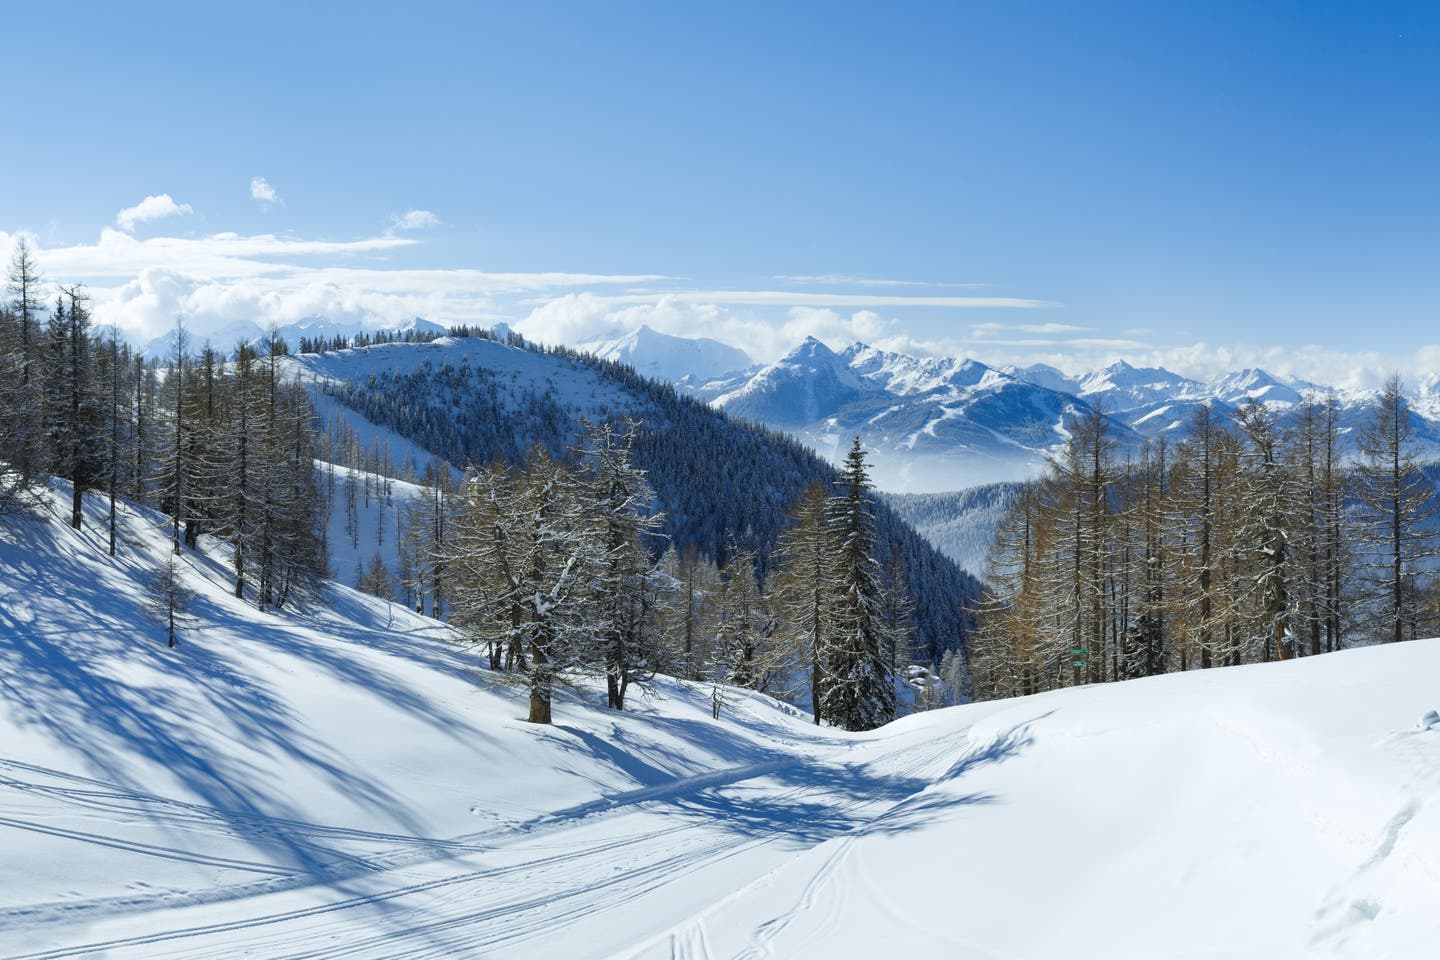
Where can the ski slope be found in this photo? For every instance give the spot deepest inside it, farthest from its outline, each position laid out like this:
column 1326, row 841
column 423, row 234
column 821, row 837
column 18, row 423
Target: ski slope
column 344, row 782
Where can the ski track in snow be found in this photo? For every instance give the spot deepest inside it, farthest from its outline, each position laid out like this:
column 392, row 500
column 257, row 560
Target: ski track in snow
column 150, row 826
column 664, row 853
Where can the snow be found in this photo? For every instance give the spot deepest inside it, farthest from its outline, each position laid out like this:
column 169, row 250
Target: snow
column 665, row 357
column 343, row 781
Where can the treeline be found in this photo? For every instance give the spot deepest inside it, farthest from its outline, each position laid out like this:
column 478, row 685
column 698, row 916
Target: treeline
column 552, row 567
column 223, row 448
column 1253, row 539
column 366, row 338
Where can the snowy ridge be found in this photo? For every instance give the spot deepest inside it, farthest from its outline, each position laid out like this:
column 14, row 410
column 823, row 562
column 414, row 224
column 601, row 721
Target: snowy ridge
column 664, row 357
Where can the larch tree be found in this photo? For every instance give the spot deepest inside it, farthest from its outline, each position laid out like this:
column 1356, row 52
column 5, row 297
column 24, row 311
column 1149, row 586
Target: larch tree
column 1396, row 507
column 804, row 553
column 623, row 524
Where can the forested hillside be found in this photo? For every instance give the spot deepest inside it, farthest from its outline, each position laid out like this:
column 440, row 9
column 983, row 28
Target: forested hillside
column 960, row 523
column 1253, row 539
column 476, row 398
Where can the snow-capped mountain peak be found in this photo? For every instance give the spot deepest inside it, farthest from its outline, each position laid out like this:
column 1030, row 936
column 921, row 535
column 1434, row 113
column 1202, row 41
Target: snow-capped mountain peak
column 1252, row 382
column 809, row 383
column 666, row 357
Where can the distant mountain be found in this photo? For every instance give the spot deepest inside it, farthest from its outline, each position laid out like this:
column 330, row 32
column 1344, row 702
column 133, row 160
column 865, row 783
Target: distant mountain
column 931, row 423
column 665, row 357
column 421, row 325
column 809, row 383
column 948, row 423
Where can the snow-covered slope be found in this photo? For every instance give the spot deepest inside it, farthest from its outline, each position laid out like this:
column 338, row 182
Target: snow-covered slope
column 808, row 384
column 664, row 357
column 929, row 424
column 344, row 782
column 1274, row 811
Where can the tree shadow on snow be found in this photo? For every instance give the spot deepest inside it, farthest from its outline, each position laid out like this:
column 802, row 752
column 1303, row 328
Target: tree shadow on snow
column 804, row 801
column 129, row 707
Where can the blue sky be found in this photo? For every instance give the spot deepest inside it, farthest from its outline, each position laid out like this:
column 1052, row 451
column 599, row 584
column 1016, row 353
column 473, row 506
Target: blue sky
column 1199, row 184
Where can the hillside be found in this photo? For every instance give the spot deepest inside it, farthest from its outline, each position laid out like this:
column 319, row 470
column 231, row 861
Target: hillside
column 344, row 782
column 961, row 524
column 471, row 400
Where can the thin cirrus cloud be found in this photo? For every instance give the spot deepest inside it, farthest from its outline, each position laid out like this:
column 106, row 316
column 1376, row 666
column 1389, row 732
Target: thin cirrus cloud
column 790, row 298
column 855, row 280
column 156, row 207
column 985, row 331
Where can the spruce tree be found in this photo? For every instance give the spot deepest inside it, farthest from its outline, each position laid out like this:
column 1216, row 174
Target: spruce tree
column 859, row 691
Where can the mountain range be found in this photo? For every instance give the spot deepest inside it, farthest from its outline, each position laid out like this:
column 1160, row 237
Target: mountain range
column 948, row 423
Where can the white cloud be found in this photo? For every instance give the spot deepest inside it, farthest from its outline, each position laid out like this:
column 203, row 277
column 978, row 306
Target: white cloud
column 151, row 208
column 853, row 280
column 141, row 285
column 414, row 220
column 261, row 190
column 986, row 330
column 218, row 255
column 790, row 298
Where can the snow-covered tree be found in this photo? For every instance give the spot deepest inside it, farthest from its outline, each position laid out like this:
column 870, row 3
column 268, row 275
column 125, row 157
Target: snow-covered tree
column 859, row 691
column 618, row 506
column 1396, row 505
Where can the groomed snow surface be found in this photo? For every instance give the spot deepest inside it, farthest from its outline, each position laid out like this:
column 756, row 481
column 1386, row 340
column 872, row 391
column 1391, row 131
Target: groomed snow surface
column 345, row 783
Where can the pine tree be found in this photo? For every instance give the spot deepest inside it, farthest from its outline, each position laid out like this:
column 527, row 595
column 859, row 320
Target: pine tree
column 859, row 691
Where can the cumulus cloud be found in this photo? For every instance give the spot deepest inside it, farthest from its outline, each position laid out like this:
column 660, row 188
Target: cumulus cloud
column 414, row 220
column 155, row 207
column 262, row 191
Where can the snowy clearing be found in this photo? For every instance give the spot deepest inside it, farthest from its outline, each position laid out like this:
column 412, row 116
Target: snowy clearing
column 344, row 783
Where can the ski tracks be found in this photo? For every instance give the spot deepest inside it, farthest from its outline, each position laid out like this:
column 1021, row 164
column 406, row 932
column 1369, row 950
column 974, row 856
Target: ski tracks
column 593, row 868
